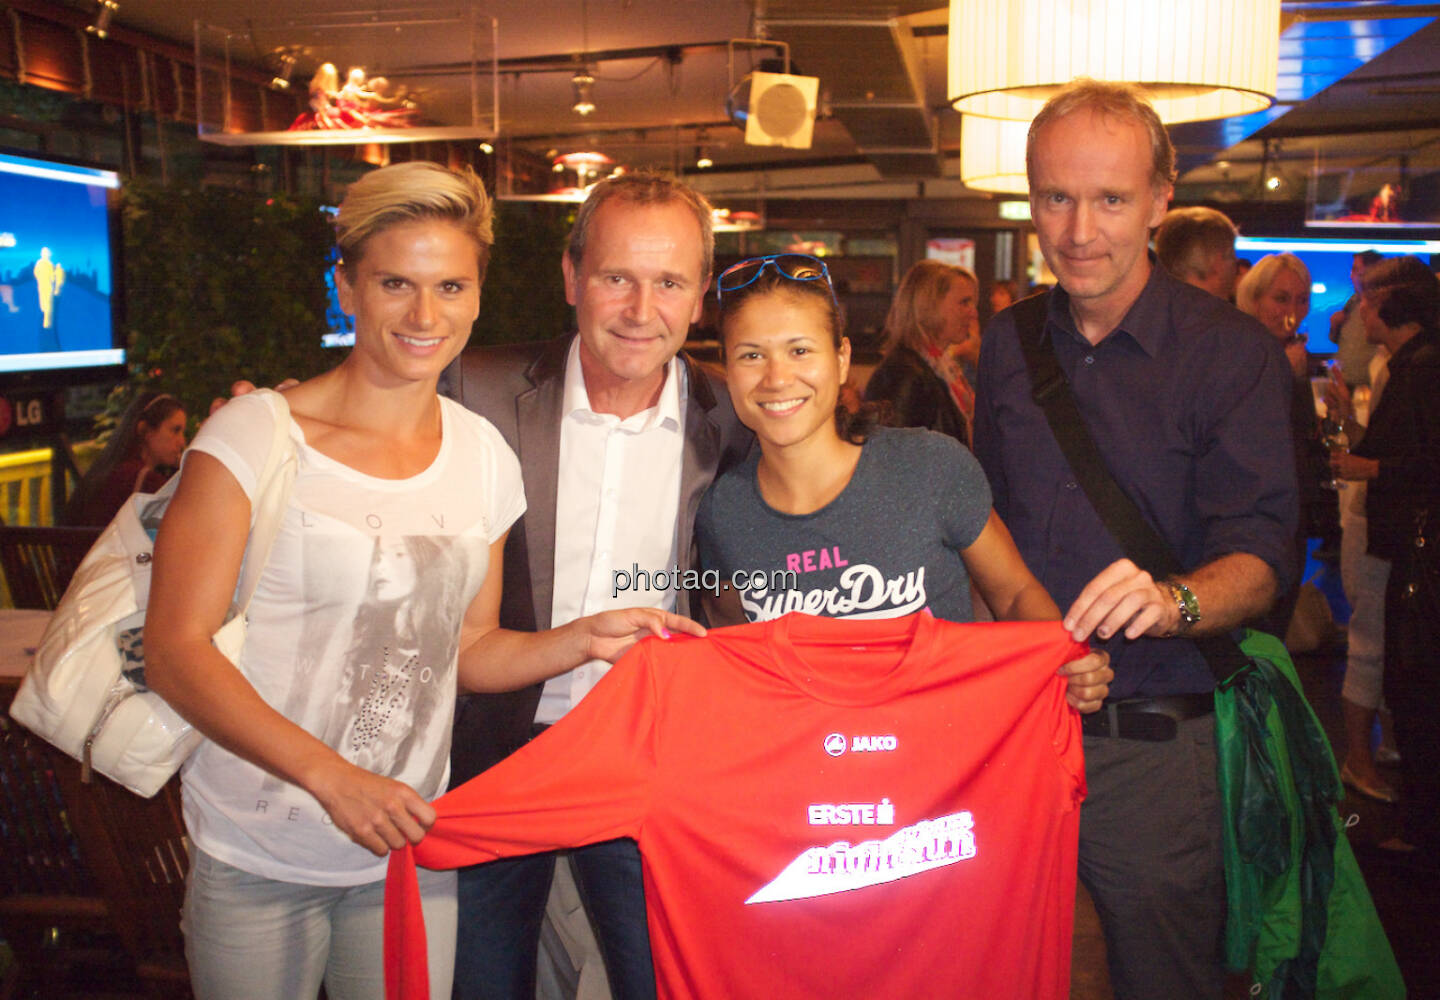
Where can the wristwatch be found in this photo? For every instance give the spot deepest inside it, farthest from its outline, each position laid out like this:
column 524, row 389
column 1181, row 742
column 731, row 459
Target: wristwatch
column 1188, row 604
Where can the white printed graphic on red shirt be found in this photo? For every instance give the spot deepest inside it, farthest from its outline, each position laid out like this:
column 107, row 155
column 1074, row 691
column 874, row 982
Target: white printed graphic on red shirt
column 843, row 867
column 880, row 813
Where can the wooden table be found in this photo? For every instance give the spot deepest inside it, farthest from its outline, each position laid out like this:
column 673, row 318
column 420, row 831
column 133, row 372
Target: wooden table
column 20, row 633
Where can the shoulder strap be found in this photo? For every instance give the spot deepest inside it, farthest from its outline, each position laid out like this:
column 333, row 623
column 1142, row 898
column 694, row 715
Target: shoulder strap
column 1122, row 517
column 272, row 494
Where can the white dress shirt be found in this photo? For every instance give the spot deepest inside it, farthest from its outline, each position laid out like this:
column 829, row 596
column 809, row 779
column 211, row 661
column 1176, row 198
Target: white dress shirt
column 616, row 507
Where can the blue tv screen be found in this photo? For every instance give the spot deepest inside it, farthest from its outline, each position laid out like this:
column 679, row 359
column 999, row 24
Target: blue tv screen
column 58, row 266
column 340, row 326
column 1328, row 261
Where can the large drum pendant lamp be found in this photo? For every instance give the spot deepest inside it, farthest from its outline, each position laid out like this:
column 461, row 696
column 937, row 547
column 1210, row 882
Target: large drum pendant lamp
column 992, row 155
column 1197, row 59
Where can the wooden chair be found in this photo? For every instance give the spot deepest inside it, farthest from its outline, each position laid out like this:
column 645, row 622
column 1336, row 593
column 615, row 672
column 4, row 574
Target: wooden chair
column 87, row 856
column 138, row 853
column 46, row 892
column 39, row 562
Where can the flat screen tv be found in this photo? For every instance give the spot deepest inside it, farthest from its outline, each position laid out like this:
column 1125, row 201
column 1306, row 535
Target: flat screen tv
column 340, row 325
column 59, row 271
column 1328, row 261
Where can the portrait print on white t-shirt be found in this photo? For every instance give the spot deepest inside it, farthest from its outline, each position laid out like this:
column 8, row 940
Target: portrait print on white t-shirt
column 396, row 655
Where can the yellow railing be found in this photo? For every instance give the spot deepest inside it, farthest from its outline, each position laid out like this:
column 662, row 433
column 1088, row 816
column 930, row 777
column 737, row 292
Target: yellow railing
column 25, row 494
column 25, row 487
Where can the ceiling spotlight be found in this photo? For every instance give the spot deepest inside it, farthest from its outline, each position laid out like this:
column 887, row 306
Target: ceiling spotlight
column 583, row 82
column 486, row 148
column 284, row 70
column 702, row 151
column 101, row 25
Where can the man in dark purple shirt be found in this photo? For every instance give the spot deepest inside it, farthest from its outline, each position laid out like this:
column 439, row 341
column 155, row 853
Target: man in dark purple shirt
column 1187, row 400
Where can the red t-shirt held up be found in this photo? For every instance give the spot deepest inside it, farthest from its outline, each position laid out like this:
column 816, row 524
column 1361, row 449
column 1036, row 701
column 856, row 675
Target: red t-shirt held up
column 886, row 809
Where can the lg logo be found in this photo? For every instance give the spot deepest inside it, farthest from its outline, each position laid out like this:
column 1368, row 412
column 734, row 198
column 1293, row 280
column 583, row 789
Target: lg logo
column 21, row 413
column 835, row 744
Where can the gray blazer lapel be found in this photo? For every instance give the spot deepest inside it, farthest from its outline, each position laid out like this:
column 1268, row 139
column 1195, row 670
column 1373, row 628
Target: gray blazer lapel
column 700, row 458
column 538, row 415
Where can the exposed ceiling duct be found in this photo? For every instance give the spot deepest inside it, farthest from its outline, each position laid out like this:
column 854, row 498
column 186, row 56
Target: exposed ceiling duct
column 865, row 58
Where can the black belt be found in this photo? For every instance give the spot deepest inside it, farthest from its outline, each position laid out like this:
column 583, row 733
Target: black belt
column 1153, row 719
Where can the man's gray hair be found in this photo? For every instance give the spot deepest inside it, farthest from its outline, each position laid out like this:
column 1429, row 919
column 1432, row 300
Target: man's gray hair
column 1117, row 100
column 644, row 187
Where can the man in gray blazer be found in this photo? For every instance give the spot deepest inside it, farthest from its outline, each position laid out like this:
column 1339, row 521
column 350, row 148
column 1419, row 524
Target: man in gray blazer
column 618, row 436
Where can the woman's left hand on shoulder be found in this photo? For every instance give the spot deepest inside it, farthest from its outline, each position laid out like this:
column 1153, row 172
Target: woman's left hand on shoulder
column 610, row 634
column 1088, row 680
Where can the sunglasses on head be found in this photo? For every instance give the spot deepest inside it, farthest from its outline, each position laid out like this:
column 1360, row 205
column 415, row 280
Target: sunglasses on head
column 794, row 266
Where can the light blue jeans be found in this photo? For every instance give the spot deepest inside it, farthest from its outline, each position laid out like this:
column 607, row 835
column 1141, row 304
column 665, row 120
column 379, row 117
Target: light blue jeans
column 254, row 938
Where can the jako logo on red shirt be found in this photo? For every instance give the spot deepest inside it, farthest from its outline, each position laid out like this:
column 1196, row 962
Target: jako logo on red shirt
column 835, row 744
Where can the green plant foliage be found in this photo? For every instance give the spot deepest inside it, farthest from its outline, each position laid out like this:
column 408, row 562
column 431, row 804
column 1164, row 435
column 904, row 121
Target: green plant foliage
column 33, row 104
column 223, row 284
column 220, row 285
column 524, row 295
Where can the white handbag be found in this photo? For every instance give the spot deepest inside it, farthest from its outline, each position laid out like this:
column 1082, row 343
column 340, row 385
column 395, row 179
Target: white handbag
column 85, row 691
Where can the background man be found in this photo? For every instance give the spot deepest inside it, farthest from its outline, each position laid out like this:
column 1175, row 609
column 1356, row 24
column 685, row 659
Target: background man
column 1187, row 401
column 1197, row 245
column 1347, row 330
column 618, row 436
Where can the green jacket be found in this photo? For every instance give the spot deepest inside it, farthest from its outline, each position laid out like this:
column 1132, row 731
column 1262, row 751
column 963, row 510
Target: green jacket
column 1300, row 917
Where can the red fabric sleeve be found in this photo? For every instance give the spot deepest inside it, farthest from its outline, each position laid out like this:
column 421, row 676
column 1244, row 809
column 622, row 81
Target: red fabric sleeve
column 586, row 779
column 407, row 967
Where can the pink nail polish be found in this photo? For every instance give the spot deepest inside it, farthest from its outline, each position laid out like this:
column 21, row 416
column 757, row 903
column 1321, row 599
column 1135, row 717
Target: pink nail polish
column 664, row 633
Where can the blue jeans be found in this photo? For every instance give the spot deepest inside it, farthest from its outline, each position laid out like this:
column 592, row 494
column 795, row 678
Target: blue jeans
column 248, row 937
column 502, row 904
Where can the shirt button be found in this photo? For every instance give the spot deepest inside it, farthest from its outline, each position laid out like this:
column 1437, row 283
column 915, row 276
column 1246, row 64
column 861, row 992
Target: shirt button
column 1089, row 359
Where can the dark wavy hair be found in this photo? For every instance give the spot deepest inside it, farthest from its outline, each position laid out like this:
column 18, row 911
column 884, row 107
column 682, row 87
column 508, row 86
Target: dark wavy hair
column 150, row 409
column 1404, row 291
column 852, row 426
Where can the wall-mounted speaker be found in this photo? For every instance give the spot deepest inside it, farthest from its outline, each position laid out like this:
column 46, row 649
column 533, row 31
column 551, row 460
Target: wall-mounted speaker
column 782, row 110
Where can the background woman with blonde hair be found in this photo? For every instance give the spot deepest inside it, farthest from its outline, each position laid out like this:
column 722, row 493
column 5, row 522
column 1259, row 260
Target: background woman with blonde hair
column 932, row 318
column 1276, row 291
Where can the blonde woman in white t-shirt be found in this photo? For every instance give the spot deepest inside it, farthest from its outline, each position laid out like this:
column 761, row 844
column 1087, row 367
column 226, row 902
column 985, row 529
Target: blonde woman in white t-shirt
column 381, row 594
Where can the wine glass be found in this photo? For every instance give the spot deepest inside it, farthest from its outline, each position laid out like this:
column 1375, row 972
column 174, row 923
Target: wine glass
column 1336, row 440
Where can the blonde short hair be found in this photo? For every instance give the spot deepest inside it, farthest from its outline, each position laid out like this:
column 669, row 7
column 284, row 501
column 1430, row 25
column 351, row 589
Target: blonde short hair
column 914, row 315
column 410, row 192
column 1112, row 100
column 1258, row 279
